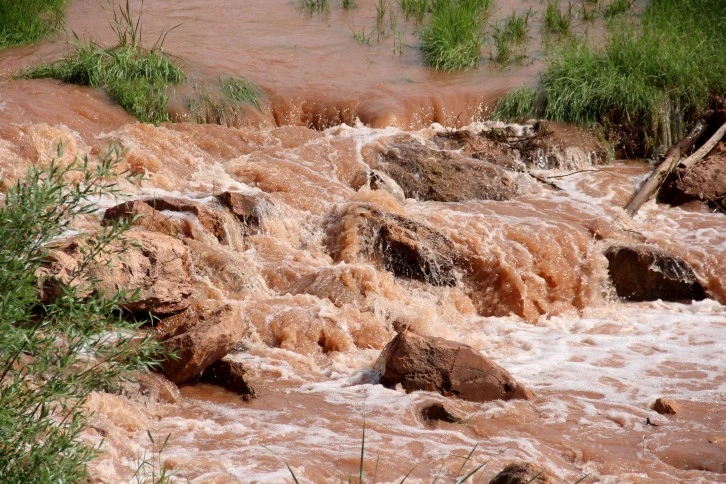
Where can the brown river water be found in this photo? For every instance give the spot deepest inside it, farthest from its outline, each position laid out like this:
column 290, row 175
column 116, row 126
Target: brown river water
column 595, row 364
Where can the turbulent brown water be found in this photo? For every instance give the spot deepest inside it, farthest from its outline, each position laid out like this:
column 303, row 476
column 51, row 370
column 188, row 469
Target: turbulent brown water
column 595, row 364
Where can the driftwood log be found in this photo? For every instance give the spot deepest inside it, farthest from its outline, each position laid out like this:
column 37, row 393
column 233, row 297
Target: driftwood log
column 704, row 150
column 656, row 178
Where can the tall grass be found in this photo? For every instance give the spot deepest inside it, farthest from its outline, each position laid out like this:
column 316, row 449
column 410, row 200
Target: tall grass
column 644, row 85
column 55, row 351
column 26, row 21
column 510, row 36
column 224, row 104
column 136, row 77
column 558, row 21
column 452, row 37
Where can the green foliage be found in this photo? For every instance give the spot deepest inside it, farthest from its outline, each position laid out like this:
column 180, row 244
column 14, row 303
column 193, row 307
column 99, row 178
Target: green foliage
column 510, row 36
column 416, row 9
column 314, row 6
column 225, row 104
column 26, row 21
column 557, row 21
column 137, row 78
column 451, row 39
column 349, row 4
column 56, row 350
column 617, row 7
column 149, row 468
column 643, row 82
column 516, row 105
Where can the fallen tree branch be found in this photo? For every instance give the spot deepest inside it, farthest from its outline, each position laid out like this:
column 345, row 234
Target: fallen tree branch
column 704, row 150
column 656, row 178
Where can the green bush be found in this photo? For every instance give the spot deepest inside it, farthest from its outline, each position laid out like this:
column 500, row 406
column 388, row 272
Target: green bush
column 26, row 21
column 645, row 84
column 452, row 37
column 54, row 351
column 136, row 77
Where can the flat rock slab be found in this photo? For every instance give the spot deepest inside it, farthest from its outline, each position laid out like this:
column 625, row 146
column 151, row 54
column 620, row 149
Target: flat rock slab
column 645, row 273
column 450, row 368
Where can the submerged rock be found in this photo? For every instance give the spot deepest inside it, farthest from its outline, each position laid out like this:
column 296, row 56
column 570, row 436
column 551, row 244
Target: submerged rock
column 645, row 273
column 521, row 473
column 199, row 338
column 155, row 265
column 230, row 375
column 443, row 176
column 395, row 243
column 377, row 180
column 437, row 411
column 450, row 368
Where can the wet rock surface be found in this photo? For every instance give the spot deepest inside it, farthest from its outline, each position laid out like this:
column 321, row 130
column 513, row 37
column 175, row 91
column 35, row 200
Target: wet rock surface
column 443, row 176
column 247, row 208
column 199, row 337
column 437, row 412
column 522, row 473
column 377, row 180
column 666, row 406
column 645, row 273
column 230, row 375
column 155, row 265
column 398, row 244
column 450, row 368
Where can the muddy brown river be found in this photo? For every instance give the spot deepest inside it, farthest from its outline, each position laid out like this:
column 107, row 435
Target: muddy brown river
column 544, row 307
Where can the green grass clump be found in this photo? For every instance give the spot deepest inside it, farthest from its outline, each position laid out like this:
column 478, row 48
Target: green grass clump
column 645, row 84
column 416, row 9
column 315, row 6
column 510, row 36
column 517, row 105
column 558, row 21
column 136, row 77
column 224, row 104
column 26, row 21
column 452, row 37
column 616, row 8
column 56, row 350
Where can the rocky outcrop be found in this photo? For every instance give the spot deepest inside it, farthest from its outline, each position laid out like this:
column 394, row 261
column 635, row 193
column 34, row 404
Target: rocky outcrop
column 666, row 406
column 152, row 217
column 247, row 208
column 230, row 375
column 452, row 369
column 522, row 473
column 645, row 273
column 395, row 243
column 443, row 176
column 154, row 265
column 198, row 338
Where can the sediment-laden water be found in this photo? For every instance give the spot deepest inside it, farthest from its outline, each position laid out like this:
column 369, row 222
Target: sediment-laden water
column 534, row 296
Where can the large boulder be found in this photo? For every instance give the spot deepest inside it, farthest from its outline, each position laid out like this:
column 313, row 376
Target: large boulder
column 198, row 338
column 395, row 243
column 156, row 266
column 452, row 369
column 444, row 176
column 646, row 273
